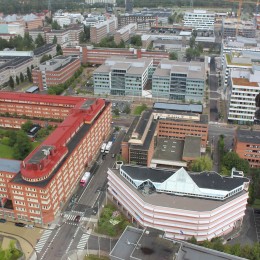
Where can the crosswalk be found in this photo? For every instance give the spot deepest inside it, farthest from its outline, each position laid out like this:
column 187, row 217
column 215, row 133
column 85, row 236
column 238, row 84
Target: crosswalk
column 83, row 241
column 70, row 217
column 43, row 240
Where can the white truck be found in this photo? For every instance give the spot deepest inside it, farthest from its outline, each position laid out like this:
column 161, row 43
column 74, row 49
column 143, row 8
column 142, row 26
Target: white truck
column 108, row 146
column 103, row 147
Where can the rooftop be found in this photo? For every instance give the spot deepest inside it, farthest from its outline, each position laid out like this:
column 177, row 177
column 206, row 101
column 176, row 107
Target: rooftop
column 178, row 107
column 7, row 165
column 171, row 200
column 192, row 147
column 248, row 136
column 244, row 82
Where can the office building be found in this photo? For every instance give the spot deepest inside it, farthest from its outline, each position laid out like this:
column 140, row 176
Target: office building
column 164, row 135
column 199, row 20
column 129, row 6
column 244, row 87
column 123, row 77
column 179, row 80
column 125, row 33
column 36, row 188
column 247, row 146
column 101, row 30
column 55, row 71
column 142, row 20
column 183, row 204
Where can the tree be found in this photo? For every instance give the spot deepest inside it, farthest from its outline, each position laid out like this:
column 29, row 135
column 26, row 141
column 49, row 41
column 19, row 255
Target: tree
column 55, row 25
column 27, row 126
column 39, row 41
column 44, row 58
column 204, row 163
column 136, row 40
column 231, row 159
column 116, row 112
column 29, row 74
column 23, row 145
column 127, row 109
column 173, row 55
column 55, row 40
column 121, row 44
column 28, row 42
column 58, row 50
column 11, row 82
column 21, row 77
column 17, row 80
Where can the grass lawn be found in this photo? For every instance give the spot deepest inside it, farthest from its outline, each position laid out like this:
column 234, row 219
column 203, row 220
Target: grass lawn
column 35, row 144
column 256, row 204
column 95, row 257
column 139, row 109
column 6, row 151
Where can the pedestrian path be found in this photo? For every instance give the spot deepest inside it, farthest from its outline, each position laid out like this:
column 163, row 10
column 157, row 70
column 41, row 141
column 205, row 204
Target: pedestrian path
column 82, row 243
column 43, row 240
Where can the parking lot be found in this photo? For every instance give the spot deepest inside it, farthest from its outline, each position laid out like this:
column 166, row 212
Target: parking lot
column 120, row 105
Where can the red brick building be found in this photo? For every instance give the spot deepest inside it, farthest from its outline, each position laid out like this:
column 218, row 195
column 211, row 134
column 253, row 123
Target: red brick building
column 55, row 71
column 36, row 188
column 247, row 146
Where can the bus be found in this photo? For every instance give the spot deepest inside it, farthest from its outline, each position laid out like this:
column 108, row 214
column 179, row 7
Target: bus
column 103, row 147
column 108, row 146
column 85, row 178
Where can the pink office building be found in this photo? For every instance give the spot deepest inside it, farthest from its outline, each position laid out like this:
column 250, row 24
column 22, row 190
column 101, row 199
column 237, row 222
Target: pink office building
column 204, row 205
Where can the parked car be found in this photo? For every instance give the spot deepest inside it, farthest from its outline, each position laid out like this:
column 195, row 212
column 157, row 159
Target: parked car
column 77, row 218
column 19, row 224
column 29, row 226
column 2, row 220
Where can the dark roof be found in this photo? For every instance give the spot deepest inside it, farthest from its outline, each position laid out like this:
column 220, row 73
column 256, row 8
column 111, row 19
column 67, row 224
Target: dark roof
column 206, row 180
column 7, row 165
column 131, row 129
column 212, row 180
column 248, row 136
column 192, row 146
column 43, row 49
column 195, row 108
column 140, row 128
column 12, row 61
column 148, row 138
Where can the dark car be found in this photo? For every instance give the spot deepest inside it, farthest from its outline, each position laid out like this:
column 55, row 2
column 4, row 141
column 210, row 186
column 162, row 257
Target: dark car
column 2, row 220
column 77, row 218
column 19, row 224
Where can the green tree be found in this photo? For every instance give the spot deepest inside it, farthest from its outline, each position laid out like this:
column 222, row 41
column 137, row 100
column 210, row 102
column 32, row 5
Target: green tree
column 58, row 50
column 21, row 77
column 231, row 159
column 173, row 55
column 121, row 44
column 28, row 42
column 39, row 41
column 116, row 111
column 17, row 80
column 55, row 25
column 11, row 82
column 12, row 138
column 127, row 109
column 23, row 145
column 27, row 126
column 29, row 74
column 204, row 163
column 136, row 40
column 55, row 40
column 44, row 58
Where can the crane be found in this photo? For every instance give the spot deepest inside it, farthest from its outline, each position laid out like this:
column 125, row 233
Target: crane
column 240, row 2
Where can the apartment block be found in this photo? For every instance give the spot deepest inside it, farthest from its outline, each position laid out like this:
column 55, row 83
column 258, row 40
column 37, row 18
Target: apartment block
column 142, row 20
column 36, row 188
column 119, row 76
column 179, row 80
column 103, row 29
column 125, row 33
column 199, row 19
column 247, row 146
column 244, row 87
column 203, row 205
column 55, row 71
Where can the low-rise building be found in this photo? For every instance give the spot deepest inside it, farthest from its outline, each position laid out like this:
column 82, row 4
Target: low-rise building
column 247, row 146
column 55, row 71
column 179, row 80
column 202, row 205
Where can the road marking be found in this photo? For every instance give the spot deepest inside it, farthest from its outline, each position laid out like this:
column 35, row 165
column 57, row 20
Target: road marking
column 42, row 240
column 75, row 234
column 82, row 243
column 85, row 190
column 71, row 217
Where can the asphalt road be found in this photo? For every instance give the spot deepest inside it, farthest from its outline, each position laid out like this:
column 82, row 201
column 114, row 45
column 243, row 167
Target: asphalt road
column 70, row 234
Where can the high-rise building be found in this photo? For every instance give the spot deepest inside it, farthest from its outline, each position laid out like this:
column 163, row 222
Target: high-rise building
column 129, row 6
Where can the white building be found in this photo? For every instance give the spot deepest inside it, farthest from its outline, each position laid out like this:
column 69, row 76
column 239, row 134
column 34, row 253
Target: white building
column 91, row 2
column 204, row 205
column 199, row 19
column 245, row 86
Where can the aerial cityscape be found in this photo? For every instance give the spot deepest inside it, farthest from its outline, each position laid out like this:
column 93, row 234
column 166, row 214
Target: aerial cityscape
column 129, row 130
